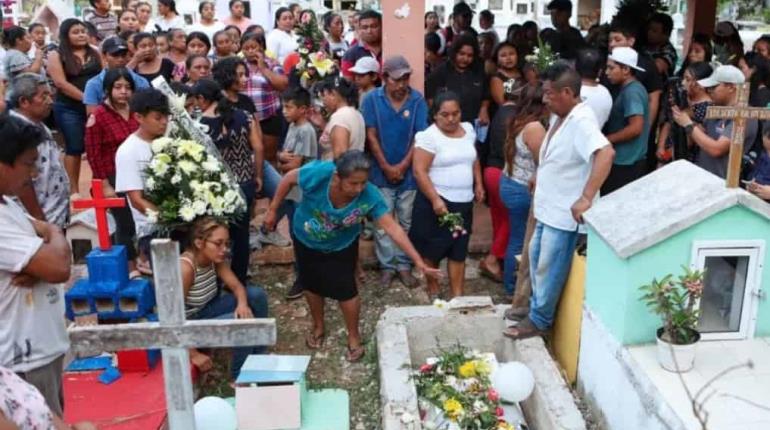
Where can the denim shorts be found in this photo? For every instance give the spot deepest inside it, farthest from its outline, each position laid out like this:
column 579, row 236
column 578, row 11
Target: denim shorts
column 71, row 121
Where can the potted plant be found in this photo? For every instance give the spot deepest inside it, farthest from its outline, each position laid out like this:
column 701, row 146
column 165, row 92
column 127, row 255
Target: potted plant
column 676, row 302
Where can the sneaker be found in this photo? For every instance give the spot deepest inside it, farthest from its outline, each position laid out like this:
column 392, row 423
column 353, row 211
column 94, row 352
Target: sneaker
column 295, row 292
column 254, row 242
column 273, row 238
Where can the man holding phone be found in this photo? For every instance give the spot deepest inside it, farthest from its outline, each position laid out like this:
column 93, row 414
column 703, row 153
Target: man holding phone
column 714, row 139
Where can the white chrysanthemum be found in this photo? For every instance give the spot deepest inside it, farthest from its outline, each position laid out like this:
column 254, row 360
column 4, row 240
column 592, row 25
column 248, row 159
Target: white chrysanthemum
column 187, row 213
column 231, row 196
column 177, row 178
column 199, row 207
column 159, row 166
column 211, row 165
column 149, row 184
column 187, row 166
column 160, row 144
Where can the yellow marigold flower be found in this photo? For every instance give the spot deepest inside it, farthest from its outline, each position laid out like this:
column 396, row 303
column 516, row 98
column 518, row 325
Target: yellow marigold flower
column 453, row 408
column 468, row 369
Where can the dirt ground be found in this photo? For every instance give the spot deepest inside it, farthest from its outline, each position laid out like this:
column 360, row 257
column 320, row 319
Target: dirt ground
column 328, row 368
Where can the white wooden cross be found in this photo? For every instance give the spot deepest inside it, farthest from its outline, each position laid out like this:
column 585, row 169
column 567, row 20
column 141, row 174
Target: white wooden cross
column 173, row 334
column 739, row 114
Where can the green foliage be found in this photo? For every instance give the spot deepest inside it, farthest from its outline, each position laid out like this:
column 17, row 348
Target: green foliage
column 458, row 383
column 676, row 303
column 543, row 56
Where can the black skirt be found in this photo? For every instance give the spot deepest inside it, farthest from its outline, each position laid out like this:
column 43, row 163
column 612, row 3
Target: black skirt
column 434, row 241
column 328, row 274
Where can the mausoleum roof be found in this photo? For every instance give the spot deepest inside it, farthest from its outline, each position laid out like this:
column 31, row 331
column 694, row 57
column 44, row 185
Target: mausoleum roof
column 663, row 203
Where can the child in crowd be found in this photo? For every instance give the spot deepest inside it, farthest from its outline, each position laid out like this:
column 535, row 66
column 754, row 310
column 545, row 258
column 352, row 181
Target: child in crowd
column 300, row 147
column 366, row 73
column 301, row 144
column 760, row 182
column 161, row 40
column 150, row 109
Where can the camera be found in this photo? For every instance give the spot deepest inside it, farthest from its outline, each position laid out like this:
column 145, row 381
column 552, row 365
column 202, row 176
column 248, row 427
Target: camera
column 678, row 92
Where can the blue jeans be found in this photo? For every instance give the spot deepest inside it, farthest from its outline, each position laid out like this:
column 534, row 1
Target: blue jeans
column 550, row 259
column 223, row 308
column 516, row 199
column 390, row 256
column 71, row 122
column 270, row 180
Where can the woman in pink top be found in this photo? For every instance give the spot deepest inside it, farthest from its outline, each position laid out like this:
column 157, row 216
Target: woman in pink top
column 236, row 17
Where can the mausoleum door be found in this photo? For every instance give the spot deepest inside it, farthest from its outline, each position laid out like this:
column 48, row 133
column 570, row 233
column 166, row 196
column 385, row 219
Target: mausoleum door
column 728, row 307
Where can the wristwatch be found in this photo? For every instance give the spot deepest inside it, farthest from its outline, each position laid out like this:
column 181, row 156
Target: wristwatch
column 689, row 128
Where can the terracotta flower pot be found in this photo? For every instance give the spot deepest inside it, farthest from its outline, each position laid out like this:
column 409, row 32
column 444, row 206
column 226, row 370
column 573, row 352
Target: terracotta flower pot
column 676, row 358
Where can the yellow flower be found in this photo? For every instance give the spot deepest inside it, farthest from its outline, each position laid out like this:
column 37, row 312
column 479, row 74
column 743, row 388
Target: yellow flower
column 502, row 425
column 453, row 408
column 482, row 368
column 322, row 64
column 468, row 369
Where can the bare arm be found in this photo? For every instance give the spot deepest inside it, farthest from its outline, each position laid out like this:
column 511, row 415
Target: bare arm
column 232, row 283
column 278, row 81
column 600, row 169
column 136, row 197
column 497, row 90
column 420, row 167
column 631, row 131
column 188, row 276
column 29, row 200
column 287, row 182
column 394, row 230
column 255, row 139
column 713, row 147
column 37, row 63
column 51, row 262
column 55, row 70
column 340, row 140
column 534, row 135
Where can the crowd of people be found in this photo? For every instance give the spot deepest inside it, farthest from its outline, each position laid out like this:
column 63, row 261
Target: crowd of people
column 359, row 155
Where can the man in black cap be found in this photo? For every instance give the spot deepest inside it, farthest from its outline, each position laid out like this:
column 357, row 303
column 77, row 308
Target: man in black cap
column 565, row 40
column 462, row 16
column 116, row 55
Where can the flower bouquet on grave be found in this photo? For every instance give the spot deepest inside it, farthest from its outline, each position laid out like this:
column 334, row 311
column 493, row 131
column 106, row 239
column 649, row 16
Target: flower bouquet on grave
column 454, row 222
column 314, row 63
column 455, row 392
column 186, row 177
column 542, row 57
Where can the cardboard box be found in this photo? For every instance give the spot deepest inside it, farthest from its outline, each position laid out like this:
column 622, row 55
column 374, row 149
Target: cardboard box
column 269, row 392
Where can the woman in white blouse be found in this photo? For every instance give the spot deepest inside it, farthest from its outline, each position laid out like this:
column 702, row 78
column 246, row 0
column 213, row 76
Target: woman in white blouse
column 448, row 176
column 281, row 41
column 169, row 18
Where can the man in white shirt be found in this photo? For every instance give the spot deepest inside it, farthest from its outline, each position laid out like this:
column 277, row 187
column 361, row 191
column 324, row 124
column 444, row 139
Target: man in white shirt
column 589, row 64
column 575, row 159
column 34, row 261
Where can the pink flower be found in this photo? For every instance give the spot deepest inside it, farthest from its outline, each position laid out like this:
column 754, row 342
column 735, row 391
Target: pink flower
column 455, row 235
column 493, row 395
column 499, row 411
column 465, row 232
column 425, row 368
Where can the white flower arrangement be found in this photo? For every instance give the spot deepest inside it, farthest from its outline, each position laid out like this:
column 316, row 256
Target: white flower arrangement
column 185, row 182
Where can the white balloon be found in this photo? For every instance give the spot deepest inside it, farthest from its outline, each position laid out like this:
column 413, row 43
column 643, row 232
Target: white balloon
column 213, row 413
column 514, row 381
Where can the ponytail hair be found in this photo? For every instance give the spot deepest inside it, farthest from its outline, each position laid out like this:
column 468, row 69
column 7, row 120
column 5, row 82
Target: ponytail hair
column 212, row 92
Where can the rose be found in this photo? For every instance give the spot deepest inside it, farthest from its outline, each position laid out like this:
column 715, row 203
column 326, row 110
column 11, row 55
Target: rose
column 499, row 411
column 493, row 395
column 425, row 368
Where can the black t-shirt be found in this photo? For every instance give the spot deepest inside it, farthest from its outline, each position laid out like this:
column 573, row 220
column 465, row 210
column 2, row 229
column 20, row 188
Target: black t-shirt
column 472, row 85
column 166, row 70
column 246, row 103
column 565, row 43
column 498, row 130
column 650, row 78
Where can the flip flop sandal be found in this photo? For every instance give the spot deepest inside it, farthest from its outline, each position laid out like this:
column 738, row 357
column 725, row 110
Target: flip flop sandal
column 355, row 354
column 484, row 270
column 314, row 341
column 516, row 314
column 525, row 329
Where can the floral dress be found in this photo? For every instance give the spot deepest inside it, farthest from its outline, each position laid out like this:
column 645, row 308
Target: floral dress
column 22, row 404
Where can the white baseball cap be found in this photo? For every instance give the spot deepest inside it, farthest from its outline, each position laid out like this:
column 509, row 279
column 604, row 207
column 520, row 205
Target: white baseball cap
column 366, row 65
column 626, row 56
column 723, row 75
